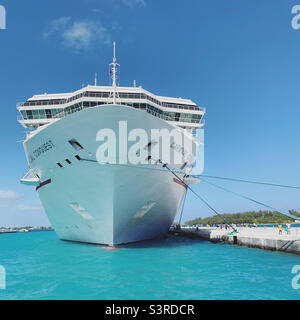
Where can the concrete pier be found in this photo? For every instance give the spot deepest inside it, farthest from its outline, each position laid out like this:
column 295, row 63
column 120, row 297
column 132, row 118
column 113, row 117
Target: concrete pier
column 261, row 237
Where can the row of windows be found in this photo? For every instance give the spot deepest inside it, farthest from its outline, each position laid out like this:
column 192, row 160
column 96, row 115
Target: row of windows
column 97, row 94
column 87, row 104
column 40, row 114
column 73, row 108
column 44, row 102
column 174, row 116
column 141, row 106
column 55, row 113
column 106, row 95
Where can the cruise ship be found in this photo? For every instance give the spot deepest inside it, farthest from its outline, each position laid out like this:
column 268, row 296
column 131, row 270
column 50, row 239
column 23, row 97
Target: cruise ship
column 90, row 190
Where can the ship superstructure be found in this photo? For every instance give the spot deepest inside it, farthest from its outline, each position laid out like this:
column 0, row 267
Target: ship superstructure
column 46, row 108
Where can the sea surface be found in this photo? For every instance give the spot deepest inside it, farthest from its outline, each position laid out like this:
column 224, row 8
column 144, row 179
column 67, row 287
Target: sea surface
column 40, row 266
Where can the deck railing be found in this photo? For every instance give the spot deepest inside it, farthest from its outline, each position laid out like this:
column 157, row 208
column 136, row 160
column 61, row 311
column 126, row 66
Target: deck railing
column 65, row 113
column 142, row 97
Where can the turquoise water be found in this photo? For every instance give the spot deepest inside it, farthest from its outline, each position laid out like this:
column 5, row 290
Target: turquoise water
column 39, row 266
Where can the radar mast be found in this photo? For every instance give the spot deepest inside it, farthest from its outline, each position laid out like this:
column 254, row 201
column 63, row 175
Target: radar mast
column 114, row 68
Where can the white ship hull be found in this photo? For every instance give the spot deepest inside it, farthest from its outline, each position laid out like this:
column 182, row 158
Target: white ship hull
column 104, row 204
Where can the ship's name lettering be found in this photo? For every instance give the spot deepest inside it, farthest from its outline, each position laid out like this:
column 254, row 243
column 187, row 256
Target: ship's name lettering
column 44, row 148
column 181, row 150
column 178, row 148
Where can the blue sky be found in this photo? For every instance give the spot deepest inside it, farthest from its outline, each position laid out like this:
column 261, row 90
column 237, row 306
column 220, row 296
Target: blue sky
column 237, row 58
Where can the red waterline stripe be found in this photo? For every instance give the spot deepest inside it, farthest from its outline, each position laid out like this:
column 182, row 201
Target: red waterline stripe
column 179, row 182
column 43, row 184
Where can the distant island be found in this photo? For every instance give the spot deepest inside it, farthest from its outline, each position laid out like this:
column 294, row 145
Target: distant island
column 249, row 217
column 23, row 229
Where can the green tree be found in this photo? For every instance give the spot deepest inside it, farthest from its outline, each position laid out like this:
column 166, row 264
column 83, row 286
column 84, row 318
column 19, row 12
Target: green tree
column 249, row 217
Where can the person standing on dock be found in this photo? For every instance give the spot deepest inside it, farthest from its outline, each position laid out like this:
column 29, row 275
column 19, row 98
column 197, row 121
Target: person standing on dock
column 288, row 228
column 280, row 228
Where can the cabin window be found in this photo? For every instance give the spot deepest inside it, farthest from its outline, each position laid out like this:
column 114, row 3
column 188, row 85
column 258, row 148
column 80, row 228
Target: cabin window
column 42, row 113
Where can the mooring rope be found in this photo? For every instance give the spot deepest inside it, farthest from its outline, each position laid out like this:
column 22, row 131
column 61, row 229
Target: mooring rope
column 247, row 181
column 198, row 196
column 183, row 206
column 250, row 199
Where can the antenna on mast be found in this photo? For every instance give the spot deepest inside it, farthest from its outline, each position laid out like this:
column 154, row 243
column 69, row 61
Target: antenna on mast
column 114, row 43
column 113, row 70
column 95, row 83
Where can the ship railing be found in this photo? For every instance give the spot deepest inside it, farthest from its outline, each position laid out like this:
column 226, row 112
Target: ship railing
column 168, row 118
column 68, row 112
column 65, row 113
column 86, row 95
column 35, row 117
column 154, row 101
